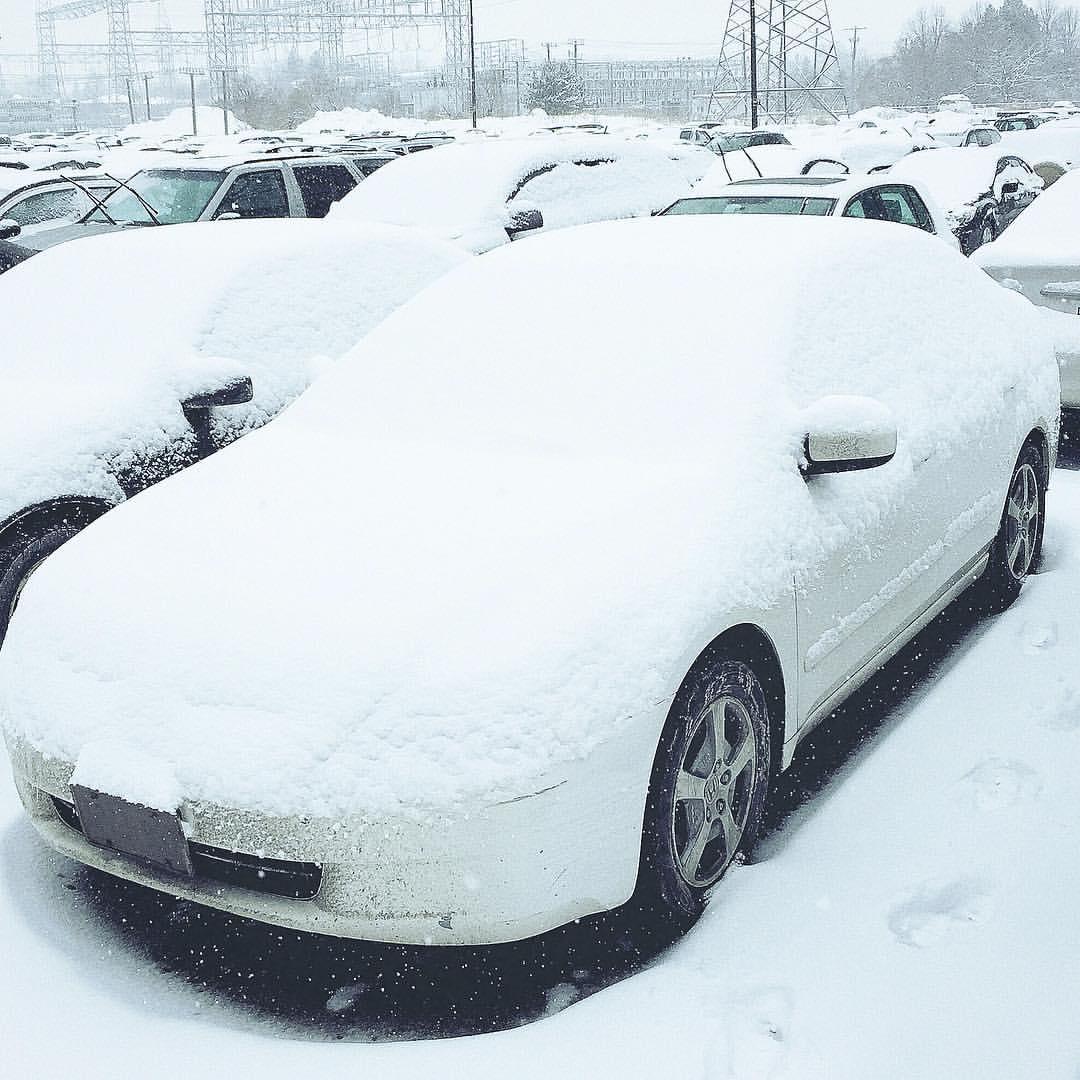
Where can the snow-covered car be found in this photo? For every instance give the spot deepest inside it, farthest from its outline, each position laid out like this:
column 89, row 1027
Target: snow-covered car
column 511, row 617
column 863, row 197
column 1039, row 257
column 32, row 198
column 211, row 189
column 173, row 342
column 729, row 142
column 981, row 192
column 975, row 135
column 484, row 194
column 1019, row 122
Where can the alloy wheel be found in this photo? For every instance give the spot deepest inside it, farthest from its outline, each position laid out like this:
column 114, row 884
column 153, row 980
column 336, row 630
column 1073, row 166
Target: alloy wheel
column 714, row 788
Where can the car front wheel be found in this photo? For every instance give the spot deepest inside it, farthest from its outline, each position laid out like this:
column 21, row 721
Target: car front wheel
column 709, row 782
column 17, row 567
column 1015, row 551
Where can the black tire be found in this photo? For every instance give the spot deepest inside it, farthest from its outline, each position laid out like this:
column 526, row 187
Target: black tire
column 1018, row 544
column 17, row 566
column 668, row 898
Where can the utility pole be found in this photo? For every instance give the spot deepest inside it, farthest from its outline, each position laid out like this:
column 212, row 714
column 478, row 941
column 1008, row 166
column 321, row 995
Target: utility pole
column 472, row 63
column 517, row 86
column 131, row 100
column 854, row 55
column 574, row 43
column 549, row 45
column 146, row 85
column 753, row 67
column 191, row 73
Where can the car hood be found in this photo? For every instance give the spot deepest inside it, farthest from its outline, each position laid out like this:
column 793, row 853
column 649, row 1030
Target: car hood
column 420, row 630
column 39, row 239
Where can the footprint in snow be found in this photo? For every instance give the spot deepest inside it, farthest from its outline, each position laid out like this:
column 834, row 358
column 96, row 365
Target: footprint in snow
column 1038, row 636
column 997, row 783
column 754, row 1042
column 940, row 909
column 1064, row 712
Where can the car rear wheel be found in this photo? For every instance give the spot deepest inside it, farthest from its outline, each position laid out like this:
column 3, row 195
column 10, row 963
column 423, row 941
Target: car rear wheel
column 1015, row 551
column 707, row 794
column 15, row 571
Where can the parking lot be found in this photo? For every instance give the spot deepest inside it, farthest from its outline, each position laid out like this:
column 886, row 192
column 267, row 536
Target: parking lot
column 495, row 520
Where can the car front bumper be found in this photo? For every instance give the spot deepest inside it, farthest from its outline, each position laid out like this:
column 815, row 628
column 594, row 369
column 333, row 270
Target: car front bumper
column 502, row 873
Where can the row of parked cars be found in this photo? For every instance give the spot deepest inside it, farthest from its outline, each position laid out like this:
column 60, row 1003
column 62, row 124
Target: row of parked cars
column 454, row 650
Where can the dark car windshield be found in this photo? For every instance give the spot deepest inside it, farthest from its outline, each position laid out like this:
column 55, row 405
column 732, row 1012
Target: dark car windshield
column 174, row 196
column 753, row 204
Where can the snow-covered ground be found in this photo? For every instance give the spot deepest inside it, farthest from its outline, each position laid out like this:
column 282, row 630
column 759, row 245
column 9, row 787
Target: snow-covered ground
column 910, row 915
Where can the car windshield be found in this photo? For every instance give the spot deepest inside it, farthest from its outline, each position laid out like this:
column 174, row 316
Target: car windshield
column 950, row 138
column 753, row 204
column 727, row 143
column 173, row 195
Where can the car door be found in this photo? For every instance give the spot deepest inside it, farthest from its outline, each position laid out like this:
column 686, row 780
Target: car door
column 257, row 193
column 322, row 185
column 903, row 204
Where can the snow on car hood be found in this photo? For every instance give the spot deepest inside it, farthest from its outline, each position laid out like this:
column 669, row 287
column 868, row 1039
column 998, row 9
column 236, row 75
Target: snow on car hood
column 151, row 316
column 461, row 192
column 510, row 521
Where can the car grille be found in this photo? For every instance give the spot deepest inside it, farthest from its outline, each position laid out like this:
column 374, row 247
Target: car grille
column 279, row 877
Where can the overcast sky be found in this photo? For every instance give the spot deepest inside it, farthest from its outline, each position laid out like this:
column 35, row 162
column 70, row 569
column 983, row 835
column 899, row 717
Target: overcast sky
column 609, row 27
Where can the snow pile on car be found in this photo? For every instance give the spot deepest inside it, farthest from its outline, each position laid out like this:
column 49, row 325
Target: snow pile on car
column 958, row 177
column 152, row 316
column 514, row 517
column 462, row 192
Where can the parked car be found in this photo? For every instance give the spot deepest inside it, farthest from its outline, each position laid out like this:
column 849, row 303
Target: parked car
column 173, row 343
column 728, row 141
column 974, row 135
column 864, row 197
column 211, row 189
column 513, row 616
column 980, row 191
column 486, row 193
column 1039, row 257
column 37, row 198
column 700, row 134
column 1019, row 122
column 958, row 103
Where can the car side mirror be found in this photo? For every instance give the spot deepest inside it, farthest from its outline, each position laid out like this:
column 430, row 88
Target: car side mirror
column 229, row 215
column 235, row 393
column 9, row 229
column 846, row 434
column 524, row 221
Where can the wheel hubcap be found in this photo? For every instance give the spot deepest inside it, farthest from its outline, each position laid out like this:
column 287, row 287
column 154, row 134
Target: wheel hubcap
column 713, row 788
column 1022, row 522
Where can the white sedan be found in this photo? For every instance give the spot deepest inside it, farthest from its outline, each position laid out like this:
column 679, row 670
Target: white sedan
column 873, row 198
column 511, row 617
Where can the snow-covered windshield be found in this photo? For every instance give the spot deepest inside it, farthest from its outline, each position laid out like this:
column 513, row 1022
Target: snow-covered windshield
column 754, row 204
column 174, row 196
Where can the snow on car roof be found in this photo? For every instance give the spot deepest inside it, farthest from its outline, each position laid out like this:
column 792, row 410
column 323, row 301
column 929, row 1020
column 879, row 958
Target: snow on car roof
column 462, row 190
column 475, row 549
column 153, row 315
column 1047, row 233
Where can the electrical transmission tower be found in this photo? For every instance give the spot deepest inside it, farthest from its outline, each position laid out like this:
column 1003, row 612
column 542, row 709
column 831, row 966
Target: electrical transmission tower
column 120, row 47
column 778, row 63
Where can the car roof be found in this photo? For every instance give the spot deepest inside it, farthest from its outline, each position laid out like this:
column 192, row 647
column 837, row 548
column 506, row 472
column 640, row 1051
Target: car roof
column 218, row 162
column 795, row 181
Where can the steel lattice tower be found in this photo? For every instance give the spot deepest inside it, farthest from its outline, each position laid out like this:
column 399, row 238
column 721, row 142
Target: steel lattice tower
column 798, row 72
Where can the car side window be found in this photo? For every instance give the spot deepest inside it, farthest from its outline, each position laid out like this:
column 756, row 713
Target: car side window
column 49, row 206
column 256, row 195
column 322, row 185
column 867, row 204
